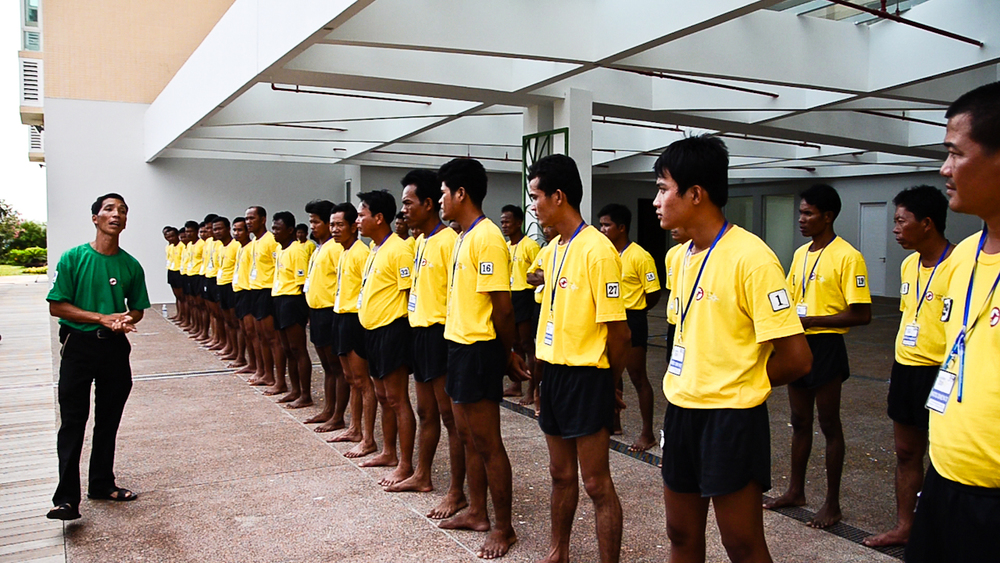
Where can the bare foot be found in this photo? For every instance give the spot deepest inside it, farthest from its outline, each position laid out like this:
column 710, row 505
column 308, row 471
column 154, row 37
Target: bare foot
column 350, row 435
column 785, row 500
column 827, row 516
column 259, row 382
column 321, row 416
column 895, row 536
column 239, row 364
column 397, row 476
column 381, row 460
column 497, row 544
column 290, row 397
column 361, row 450
column 227, row 355
column 275, row 390
column 329, row 426
column 411, row 484
column 527, row 400
column 466, row 521
column 448, row 506
column 299, row 403
column 555, row 555
column 641, row 444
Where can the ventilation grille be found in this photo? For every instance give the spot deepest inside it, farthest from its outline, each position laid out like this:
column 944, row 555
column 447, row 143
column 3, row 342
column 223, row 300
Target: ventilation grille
column 35, row 144
column 31, row 82
column 32, row 41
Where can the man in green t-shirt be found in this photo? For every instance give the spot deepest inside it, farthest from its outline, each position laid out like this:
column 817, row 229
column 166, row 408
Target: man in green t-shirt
column 98, row 293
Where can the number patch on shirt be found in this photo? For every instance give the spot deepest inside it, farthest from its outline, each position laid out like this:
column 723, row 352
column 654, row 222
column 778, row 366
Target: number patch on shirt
column 904, row 289
column 946, row 309
column 612, row 290
column 650, row 276
column 860, row 280
column 486, row 268
column 779, row 300
column 404, row 272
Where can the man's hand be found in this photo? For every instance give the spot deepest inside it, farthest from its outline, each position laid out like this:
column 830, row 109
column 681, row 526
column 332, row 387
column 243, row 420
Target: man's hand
column 517, row 369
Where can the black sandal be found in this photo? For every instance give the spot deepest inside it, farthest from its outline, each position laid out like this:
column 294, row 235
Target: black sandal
column 116, row 494
column 64, row 511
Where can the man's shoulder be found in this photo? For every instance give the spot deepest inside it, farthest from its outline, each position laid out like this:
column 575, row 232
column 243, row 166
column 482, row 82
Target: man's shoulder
column 744, row 249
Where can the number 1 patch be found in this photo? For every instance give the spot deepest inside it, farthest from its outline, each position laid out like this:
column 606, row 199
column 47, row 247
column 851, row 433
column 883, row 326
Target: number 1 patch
column 612, row 290
column 779, row 300
column 486, row 268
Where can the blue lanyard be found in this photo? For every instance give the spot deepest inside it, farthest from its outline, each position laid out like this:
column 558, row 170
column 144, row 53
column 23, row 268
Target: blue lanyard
column 805, row 280
column 622, row 253
column 555, row 286
column 920, row 296
column 461, row 239
column 963, row 334
column 368, row 270
column 423, row 248
column 694, row 288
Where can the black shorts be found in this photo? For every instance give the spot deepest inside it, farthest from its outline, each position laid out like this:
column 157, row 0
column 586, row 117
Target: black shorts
column 522, row 301
column 475, row 371
column 715, row 452
column 430, row 353
column 954, row 522
column 350, row 336
column 244, row 303
column 909, row 387
column 175, row 279
column 227, row 297
column 829, row 361
column 322, row 328
column 638, row 323
column 211, row 289
column 262, row 304
column 576, row 401
column 389, row 348
column 536, row 313
column 290, row 310
column 188, row 285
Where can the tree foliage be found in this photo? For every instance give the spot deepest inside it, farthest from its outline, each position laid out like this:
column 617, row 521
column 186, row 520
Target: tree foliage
column 10, row 227
column 33, row 235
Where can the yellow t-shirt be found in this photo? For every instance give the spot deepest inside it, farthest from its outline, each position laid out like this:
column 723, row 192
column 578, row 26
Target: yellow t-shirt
column 290, row 269
column 321, row 282
column 522, row 256
column 186, row 258
column 263, row 253
column 350, row 267
column 384, row 283
column 213, row 249
column 480, row 265
column 587, row 294
column 669, row 260
column 543, row 255
column 638, row 276
column 170, row 256
column 741, row 303
column 227, row 261
column 429, row 293
column 930, row 348
column 839, row 281
column 241, row 275
column 965, row 440
column 196, row 263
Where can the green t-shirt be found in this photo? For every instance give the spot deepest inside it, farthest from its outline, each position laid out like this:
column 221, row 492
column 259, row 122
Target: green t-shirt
column 97, row 283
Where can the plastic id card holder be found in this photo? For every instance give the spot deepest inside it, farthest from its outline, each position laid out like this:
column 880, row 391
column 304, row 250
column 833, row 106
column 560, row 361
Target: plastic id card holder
column 676, row 360
column 411, row 305
column 253, row 273
column 801, row 310
column 360, row 295
column 550, row 328
column 937, row 401
column 910, row 333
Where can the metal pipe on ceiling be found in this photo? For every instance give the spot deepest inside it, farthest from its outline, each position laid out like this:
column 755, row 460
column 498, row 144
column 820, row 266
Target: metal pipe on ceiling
column 299, row 90
column 885, row 14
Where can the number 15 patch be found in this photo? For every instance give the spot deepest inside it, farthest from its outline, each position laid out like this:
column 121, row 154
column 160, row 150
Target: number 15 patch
column 613, row 291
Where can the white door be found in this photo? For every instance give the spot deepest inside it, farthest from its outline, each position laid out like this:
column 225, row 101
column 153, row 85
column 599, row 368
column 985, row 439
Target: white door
column 873, row 236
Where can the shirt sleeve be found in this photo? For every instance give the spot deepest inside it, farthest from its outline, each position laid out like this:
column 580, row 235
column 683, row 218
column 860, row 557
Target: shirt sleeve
column 605, row 286
column 301, row 264
column 492, row 263
column 647, row 273
column 137, row 297
column 404, row 266
column 769, row 304
column 63, row 286
column 854, row 280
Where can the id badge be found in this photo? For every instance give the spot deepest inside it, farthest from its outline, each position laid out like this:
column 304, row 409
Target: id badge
column 801, row 309
column 253, row 273
column 360, row 294
column 305, row 287
column 676, row 360
column 910, row 333
column 411, row 305
column 937, row 401
column 550, row 328
column 336, row 302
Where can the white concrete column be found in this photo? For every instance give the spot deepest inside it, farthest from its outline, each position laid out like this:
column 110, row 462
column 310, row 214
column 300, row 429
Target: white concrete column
column 352, row 174
column 576, row 112
column 537, row 119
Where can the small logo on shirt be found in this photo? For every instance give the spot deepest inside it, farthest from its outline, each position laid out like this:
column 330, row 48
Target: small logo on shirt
column 946, row 310
column 611, row 288
column 563, row 282
column 779, row 300
column 486, row 268
column 698, row 294
column 650, row 276
column 994, row 316
column 113, row 281
column 423, row 262
column 904, row 289
column 404, row 272
column 300, row 272
column 860, row 281
column 929, row 296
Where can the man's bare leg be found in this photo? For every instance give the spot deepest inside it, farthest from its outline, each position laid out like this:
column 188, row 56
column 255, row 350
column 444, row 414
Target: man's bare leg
column 455, row 499
column 828, row 411
column 475, row 518
column 741, row 524
column 389, row 456
column 911, row 444
column 528, row 345
column 296, row 335
column 239, row 352
column 228, row 352
column 178, row 303
column 353, row 432
column 362, row 387
column 523, row 334
column 331, row 369
column 265, row 336
column 687, row 515
column 290, row 365
column 636, row 366
column 801, row 402
column 396, row 386
column 430, row 435
column 564, row 498
column 255, row 360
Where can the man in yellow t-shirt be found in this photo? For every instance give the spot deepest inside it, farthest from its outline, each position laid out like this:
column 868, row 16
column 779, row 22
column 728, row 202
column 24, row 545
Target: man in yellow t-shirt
column 245, row 358
column 640, row 292
column 216, row 322
column 737, row 337
column 263, row 253
column 185, row 255
column 958, row 514
column 402, row 230
column 829, row 284
column 427, row 311
column 174, row 280
column 583, row 338
column 225, row 265
column 382, row 303
column 479, row 327
column 679, row 237
column 194, row 247
column 536, row 279
column 291, row 313
column 199, row 259
column 350, row 335
column 320, row 289
column 919, row 220
column 523, row 251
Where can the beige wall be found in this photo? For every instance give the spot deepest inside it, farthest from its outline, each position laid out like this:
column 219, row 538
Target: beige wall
column 123, row 51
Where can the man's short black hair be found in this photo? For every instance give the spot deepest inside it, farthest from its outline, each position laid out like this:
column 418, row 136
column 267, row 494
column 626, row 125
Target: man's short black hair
column 983, row 107
column 400, row 216
column 222, row 220
column 558, row 172
column 285, row 217
column 239, row 219
column 210, row 218
column 95, row 207
column 191, row 225
column 321, row 208
column 465, row 173
column 204, row 224
column 924, row 201
column 302, row 227
column 168, row 228
column 700, row 160
column 379, row 202
column 427, row 184
column 822, row 197
column 618, row 213
column 516, row 212
column 347, row 208
column 261, row 212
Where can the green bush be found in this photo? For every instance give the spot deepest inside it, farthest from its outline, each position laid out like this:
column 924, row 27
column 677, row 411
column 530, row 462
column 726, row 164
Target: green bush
column 33, row 256
column 36, row 271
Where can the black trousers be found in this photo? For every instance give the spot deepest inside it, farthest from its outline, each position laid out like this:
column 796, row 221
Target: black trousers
column 88, row 359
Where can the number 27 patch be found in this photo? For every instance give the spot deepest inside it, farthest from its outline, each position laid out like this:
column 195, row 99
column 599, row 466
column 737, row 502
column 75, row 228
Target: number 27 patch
column 612, row 290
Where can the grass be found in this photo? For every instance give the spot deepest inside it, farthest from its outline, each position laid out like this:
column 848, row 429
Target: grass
column 10, row 270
